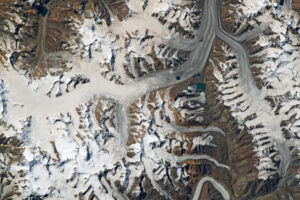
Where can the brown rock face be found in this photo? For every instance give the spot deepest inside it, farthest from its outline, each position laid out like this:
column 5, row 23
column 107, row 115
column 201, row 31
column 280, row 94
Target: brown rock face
column 228, row 13
column 241, row 180
column 6, row 7
column 296, row 7
column 11, row 151
column 44, row 38
column 237, row 151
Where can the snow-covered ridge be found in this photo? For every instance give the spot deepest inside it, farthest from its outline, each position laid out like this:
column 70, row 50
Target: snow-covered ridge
column 137, row 46
column 274, row 58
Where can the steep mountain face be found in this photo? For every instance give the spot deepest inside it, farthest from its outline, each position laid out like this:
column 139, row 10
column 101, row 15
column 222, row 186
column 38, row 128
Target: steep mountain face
column 151, row 99
column 274, row 63
column 137, row 46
